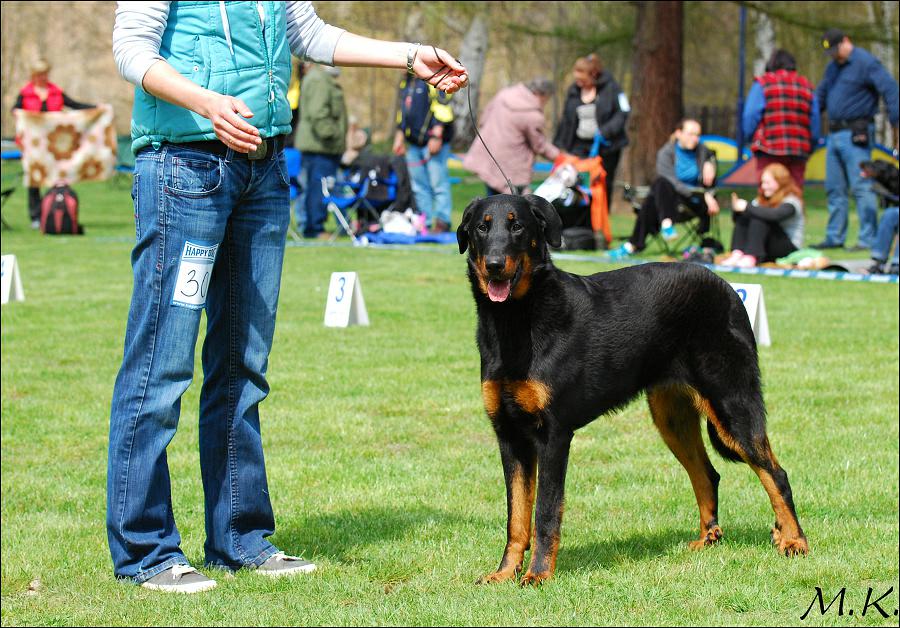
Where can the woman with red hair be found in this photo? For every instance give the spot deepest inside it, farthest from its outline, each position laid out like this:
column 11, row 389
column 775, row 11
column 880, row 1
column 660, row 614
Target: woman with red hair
column 770, row 226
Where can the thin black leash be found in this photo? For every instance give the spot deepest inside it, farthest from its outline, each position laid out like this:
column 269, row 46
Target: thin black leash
column 471, row 114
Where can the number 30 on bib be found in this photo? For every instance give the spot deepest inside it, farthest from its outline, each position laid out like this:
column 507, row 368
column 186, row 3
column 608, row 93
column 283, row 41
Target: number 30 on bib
column 194, row 273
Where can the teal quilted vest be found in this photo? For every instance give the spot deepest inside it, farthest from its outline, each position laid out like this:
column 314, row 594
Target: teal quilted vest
column 257, row 70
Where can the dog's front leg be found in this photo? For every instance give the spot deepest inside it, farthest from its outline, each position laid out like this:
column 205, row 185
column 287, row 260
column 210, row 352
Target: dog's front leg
column 553, row 458
column 519, row 470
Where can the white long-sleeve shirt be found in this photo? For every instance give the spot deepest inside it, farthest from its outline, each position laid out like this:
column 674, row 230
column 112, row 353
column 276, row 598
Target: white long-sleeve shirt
column 139, row 27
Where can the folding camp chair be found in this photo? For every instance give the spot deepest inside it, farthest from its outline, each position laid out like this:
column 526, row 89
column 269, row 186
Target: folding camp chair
column 292, row 159
column 687, row 219
column 367, row 192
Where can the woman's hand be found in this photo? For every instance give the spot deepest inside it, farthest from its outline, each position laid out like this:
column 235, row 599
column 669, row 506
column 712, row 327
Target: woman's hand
column 712, row 205
column 230, row 127
column 737, row 204
column 440, row 69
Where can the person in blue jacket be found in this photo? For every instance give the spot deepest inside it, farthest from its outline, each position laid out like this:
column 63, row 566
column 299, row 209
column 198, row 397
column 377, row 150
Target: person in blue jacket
column 849, row 94
column 211, row 200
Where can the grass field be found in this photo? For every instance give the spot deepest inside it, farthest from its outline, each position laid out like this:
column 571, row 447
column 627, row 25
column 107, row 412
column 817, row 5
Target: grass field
column 383, row 467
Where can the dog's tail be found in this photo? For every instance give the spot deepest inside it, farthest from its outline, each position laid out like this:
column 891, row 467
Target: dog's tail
column 723, row 449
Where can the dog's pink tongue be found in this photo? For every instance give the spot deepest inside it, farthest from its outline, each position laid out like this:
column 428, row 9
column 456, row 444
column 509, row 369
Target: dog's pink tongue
column 498, row 290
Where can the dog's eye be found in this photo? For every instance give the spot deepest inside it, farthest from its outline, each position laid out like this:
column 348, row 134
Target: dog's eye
column 516, row 227
column 482, row 228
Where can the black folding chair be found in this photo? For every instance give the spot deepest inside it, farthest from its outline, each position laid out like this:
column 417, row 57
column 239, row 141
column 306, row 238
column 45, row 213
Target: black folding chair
column 689, row 221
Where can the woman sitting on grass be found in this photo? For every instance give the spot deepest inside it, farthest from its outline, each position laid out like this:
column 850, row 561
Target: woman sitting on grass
column 770, row 226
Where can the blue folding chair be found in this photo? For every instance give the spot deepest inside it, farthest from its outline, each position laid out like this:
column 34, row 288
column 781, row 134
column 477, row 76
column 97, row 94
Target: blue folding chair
column 292, row 159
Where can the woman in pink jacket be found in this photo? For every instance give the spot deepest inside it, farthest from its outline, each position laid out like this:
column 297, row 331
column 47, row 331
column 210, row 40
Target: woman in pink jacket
column 512, row 126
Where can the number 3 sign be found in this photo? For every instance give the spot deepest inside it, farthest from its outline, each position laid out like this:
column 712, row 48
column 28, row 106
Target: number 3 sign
column 345, row 305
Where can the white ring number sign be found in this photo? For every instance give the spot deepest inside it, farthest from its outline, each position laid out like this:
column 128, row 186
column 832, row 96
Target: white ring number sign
column 345, row 305
column 752, row 297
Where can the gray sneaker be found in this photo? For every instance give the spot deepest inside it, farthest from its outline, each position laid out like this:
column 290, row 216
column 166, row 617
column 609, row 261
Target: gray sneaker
column 180, row 579
column 282, row 565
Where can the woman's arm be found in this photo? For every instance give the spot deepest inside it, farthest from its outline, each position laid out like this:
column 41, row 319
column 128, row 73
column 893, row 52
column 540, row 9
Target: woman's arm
column 771, row 214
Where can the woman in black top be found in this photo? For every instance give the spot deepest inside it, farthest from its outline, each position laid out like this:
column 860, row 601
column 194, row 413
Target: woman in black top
column 595, row 112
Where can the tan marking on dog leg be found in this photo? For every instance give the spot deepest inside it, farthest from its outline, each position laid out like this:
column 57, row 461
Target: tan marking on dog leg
column 533, row 577
column 786, row 534
column 531, row 395
column 676, row 416
column 490, row 394
column 705, row 407
column 518, row 531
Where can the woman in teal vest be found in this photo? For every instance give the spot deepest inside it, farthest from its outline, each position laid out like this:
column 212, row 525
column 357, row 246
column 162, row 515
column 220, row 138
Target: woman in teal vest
column 211, row 201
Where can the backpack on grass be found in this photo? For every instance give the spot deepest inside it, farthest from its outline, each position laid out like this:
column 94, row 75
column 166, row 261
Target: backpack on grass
column 59, row 211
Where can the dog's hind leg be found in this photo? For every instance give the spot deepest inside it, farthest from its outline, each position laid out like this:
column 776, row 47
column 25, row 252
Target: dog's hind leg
column 519, row 469
column 677, row 418
column 749, row 441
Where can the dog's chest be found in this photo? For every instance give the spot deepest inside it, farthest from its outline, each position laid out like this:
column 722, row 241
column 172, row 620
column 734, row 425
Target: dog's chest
column 511, row 397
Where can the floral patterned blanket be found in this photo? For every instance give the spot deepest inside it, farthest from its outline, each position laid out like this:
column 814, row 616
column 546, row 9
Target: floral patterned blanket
column 67, row 146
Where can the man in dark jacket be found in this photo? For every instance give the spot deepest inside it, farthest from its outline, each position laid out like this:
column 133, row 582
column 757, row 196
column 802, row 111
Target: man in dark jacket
column 849, row 94
column 685, row 174
column 594, row 117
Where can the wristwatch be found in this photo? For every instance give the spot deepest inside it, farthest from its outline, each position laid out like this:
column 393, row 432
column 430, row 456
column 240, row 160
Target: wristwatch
column 411, row 52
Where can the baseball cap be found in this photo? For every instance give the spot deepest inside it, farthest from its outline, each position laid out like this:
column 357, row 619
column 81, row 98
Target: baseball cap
column 831, row 39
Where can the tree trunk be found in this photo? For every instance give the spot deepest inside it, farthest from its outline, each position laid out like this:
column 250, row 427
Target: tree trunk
column 472, row 54
column 656, row 95
column 882, row 13
column 765, row 42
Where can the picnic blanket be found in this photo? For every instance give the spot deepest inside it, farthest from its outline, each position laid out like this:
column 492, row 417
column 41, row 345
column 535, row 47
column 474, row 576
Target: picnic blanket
column 68, row 146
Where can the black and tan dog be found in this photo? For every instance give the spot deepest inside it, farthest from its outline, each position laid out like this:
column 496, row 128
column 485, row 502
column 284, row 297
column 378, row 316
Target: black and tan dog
column 558, row 350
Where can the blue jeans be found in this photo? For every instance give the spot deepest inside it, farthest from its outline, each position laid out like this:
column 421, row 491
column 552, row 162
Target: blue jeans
column 887, row 233
column 430, row 182
column 842, row 171
column 313, row 168
column 210, row 235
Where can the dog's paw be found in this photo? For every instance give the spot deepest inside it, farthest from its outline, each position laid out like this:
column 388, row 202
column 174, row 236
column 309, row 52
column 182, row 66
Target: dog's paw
column 532, row 579
column 791, row 547
column 498, row 576
column 712, row 536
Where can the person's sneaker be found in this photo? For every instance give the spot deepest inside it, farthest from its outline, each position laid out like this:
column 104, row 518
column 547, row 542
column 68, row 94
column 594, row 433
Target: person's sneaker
column 281, row 564
column 894, row 269
column 746, row 261
column 180, row 579
column 856, row 248
column 876, row 268
column 35, row 224
column 669, row 233
column 732, row 259
column 825, row 244
column 619, row 254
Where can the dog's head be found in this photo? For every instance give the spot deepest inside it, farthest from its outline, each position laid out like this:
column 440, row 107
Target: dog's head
column 507, row 237
column 883, row 172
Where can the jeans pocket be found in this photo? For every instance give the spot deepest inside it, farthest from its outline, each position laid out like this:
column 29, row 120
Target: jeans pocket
column 195, row 174
column 281, row 167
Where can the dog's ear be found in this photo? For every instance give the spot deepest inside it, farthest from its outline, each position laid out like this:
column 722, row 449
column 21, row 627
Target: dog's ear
column 547, row 215
column 462, row 231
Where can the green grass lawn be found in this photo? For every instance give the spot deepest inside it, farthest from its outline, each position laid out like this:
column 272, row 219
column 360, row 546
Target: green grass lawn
column 383, row 467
